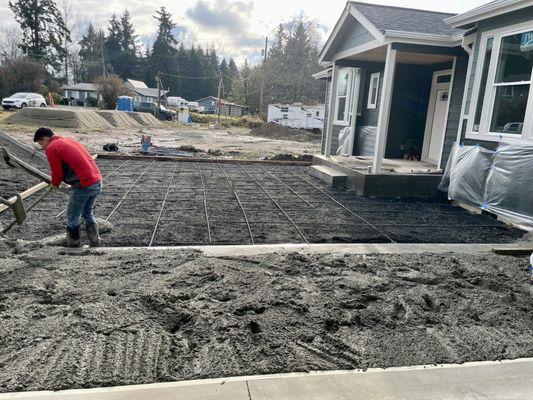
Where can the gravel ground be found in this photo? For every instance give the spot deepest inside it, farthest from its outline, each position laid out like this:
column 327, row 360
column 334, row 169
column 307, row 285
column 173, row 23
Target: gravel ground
column 89, row 319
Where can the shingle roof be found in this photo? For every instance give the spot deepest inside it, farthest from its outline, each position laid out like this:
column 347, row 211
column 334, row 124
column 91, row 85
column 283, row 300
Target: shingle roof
column 406, row 19
column 148, row 92
column 86, row 87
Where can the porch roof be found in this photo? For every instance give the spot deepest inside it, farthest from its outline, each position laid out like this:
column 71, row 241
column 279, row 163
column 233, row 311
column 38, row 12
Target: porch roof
column 401, row 19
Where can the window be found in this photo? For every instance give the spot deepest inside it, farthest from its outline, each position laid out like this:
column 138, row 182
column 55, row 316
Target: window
column 317, row 113
column 284, row 109
column 373, row 90
column 285, row 116
column 343, row 84
column 309, row 115
column 503, row 92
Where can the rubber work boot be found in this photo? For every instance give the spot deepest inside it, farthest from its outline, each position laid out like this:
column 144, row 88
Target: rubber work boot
column 93, row 235
column 73, row 237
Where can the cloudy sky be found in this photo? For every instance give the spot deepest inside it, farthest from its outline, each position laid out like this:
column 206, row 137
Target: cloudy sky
column 236, row 28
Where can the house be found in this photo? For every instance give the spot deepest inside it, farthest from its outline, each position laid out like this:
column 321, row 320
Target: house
column 297, row 116
column 404, row 84
column 79, row 93
column 226, row 108
column 141, row 92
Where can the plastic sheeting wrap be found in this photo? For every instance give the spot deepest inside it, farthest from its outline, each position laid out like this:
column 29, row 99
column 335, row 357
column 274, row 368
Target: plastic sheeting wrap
column 498, row 181
column 344, row 142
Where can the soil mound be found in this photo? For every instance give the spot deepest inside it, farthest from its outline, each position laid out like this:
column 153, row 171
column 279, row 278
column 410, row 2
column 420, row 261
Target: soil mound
column 145, row 119
column 58, row 118
column 119, row 119
column 291, row 157
column 279, row 132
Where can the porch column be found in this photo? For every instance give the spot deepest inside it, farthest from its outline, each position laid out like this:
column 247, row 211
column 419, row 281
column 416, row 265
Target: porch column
column 384, row 109
column 331, row 108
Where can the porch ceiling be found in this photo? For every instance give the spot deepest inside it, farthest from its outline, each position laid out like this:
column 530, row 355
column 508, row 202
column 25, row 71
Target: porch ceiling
column 380, row 53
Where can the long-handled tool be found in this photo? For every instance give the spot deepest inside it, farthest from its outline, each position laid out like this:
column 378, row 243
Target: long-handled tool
column 17, row 203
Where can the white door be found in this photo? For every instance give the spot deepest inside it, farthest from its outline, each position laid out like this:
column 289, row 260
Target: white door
column 437, row 117
column 439, row 125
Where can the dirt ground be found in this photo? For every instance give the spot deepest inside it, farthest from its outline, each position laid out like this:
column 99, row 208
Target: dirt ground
column 232, row 143
column 102, row 318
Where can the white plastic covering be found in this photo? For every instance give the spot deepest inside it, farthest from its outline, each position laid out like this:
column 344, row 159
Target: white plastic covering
column 344, row 142
column 498, row 181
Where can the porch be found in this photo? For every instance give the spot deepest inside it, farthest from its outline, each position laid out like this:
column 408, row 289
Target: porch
column 398, row 178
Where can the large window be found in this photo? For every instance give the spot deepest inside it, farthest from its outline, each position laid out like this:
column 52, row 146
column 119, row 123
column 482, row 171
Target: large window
column 343, row 88
column 503, row 92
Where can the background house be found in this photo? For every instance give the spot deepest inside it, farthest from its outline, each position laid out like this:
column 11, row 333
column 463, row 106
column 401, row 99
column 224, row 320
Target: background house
column 77, row 94
column 141, row 92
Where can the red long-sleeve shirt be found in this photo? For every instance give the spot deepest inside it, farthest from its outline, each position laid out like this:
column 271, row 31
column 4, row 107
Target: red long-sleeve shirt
column 71, row 162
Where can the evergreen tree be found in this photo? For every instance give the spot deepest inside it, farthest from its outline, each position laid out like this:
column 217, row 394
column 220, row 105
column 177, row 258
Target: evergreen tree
column 165, row 50
column 128, row 60
column 44, row 30
column 233, row 76
column 91, row 47
column 113, row 44
column 223, row 70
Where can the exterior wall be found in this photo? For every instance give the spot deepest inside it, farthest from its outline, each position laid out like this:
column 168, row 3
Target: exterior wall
column 326, row 116
column 367, row 121
column 454, row 113
column 355, row 35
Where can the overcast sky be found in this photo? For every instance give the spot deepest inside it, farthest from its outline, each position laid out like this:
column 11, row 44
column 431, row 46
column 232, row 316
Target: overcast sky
column 236, row 28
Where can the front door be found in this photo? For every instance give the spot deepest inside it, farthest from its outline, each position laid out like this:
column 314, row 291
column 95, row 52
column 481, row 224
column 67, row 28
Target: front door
column 437, row 117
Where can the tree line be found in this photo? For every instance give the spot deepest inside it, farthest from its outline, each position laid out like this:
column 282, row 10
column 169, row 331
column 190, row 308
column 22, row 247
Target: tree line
column 191, row 72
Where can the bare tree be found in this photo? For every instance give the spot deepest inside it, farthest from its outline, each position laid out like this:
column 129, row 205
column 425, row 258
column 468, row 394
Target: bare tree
column 110, row 88
column 9, row 45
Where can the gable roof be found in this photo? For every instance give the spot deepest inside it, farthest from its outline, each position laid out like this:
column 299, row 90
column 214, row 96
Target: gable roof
column 148, row 92
column 391, row 18
column 85, row 87
column 136, row 84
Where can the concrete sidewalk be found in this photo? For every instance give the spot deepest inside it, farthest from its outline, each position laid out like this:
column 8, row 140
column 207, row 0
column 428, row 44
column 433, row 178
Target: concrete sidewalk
column 511, row 380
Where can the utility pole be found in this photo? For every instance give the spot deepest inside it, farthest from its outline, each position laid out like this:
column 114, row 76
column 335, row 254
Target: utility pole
column 218, row 95
column 103, row 57
column 261, row 105
column 158, row 80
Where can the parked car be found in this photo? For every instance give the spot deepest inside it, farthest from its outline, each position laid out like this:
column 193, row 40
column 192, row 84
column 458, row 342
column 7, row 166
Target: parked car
column 22, row 100
column 147, row 107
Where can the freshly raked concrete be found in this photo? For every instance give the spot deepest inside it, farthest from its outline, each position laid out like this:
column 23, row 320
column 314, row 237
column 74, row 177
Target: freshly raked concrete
column 334, row 248
column 512, row 380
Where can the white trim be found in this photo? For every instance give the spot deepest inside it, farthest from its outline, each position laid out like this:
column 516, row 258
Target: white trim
column 468, row 39
column 392, row 36
column 384, row 109
column 486, row 11
column 369, row 104
column 369, row 26
column 428, row 131
column 353, row 110
column 374, row 44
column 465, row 92
column 490, row 88
column 345, row 121
column 331, row 106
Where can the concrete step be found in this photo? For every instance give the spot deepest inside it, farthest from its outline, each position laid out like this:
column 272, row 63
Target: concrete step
column 328, row 175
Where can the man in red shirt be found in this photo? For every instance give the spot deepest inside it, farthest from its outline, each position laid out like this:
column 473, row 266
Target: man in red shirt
column 70, row 162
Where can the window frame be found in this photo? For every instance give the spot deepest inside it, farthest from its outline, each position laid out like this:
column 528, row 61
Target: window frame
column 491, row 88
column 376, row 76
column 343, row 122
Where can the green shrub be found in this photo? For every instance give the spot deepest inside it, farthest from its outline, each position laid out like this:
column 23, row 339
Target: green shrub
column 91, row 102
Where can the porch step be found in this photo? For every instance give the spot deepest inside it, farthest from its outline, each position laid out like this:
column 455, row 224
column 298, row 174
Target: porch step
column 328, row 175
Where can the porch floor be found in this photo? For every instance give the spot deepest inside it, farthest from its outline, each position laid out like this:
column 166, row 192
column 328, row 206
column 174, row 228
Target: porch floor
column 388, row 166
column 398, row 178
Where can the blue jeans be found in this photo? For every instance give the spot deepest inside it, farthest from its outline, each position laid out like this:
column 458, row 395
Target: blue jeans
column 81, row 203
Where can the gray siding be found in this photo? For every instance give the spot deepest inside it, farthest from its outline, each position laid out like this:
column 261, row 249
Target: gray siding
column 355, row 35
column 351, row 34
column 326, row 116
column 516, row 17
column 454, row 114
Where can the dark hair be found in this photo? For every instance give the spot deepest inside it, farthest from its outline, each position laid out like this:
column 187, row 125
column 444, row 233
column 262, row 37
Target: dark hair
column 41, row 133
